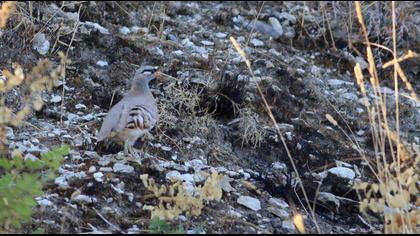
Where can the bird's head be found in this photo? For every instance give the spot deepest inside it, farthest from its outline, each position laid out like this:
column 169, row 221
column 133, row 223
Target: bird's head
column 143, row 76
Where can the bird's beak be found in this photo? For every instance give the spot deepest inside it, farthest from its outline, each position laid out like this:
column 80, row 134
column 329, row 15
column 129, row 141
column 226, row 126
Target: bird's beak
column 157, row 75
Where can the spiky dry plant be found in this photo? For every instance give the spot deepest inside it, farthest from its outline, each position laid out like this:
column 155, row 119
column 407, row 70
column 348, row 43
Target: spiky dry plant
column 250, row 127
column 395, row 194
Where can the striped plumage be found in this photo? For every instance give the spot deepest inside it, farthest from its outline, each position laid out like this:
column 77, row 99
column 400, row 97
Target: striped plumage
column 134, row 115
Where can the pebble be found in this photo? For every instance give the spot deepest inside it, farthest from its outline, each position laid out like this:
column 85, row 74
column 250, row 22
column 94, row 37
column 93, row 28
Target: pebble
column 276, row 25
column 171, row 37
column 173, row 175
column 233, row 213
column 98, row 176
column 343, row 172
column 349, row 96
column 282, row 213
column 207, row 43
column 44, row 202
column 92, row 154
column 250, row 202
column 256, row 42
column 277, row 202
column 133, row 230
column 329, row 198
column 97, row 26
column 287, row 16
column 55, row 98
column 101, row 63
column 92, row 169
column 124, row 30
column 135, row 29
column 31, row 157
column 105, row 160
column 178, row 53
column 41, row 44
column 196, row 164
column 337, row 82
column 221, row 35
column 88, row 117
column 288, row 224
column 72, row 117
column 84, row 199
column 119, row 167
column 80, row 106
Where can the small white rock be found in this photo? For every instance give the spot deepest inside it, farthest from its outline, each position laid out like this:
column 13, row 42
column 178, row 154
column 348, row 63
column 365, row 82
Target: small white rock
column 173, row 175
column 92, row 169
column 124, row 30
column 282, row 213
column 80, row 106
column 221, row 35
column 102, row 63
column 178, row 53
column 44, row 202
column 98, row 176
column 84, row 199
column 31, row 157
column 135, row 29
column 250, row 202
column 325, row 198
column 41, row 44
column 97, row 26
column 288, row 224
column 256, row 42
column 119, row 167
column 337, row 82
column 207, row 43
column 276, row 25
column 55, row 98
column 277, row 202
column 88, row 117
column 343, row 172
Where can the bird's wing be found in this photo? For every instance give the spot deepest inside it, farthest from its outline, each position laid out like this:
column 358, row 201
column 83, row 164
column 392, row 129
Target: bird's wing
column 134, row 112
column 114, row 120
column 142, row 117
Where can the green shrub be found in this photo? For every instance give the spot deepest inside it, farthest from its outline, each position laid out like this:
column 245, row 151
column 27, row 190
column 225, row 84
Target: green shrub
column 160, row 226
column 21, row 181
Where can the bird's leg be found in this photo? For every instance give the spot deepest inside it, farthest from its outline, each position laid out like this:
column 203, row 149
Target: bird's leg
column 126, row 147
column 133, row 152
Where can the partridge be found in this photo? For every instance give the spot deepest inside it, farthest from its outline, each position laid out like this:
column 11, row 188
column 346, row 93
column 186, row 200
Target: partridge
column 134, row 115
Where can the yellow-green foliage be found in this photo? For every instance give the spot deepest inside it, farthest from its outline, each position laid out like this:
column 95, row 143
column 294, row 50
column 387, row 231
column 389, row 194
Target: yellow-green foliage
column 20, row 181
column 175, row 199
column 42, row 77
column 6, row 9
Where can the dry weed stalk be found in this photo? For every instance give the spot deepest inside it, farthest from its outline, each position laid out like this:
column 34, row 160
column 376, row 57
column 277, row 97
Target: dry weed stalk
column 396, row 169
column 270, row 114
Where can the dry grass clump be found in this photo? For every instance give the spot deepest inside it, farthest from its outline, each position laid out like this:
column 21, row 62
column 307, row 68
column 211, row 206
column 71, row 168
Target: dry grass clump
column 250, row 127
column 176, row 199
column 395, row 194
column 181, row 103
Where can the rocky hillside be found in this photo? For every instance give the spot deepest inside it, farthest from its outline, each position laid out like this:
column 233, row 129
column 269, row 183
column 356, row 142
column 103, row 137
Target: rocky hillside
column 214, row 134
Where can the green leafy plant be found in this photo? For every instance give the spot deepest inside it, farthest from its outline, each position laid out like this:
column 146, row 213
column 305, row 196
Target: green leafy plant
column 21, row 180
column 160, row 226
